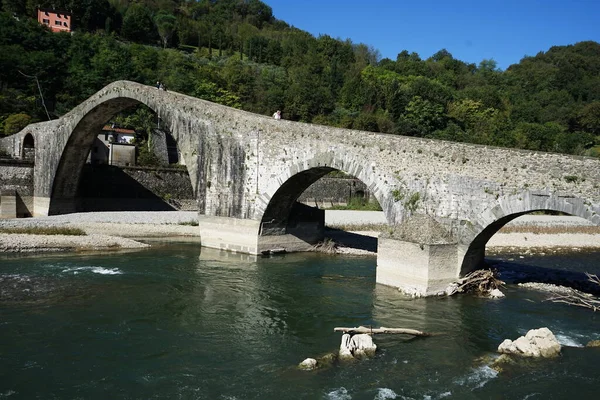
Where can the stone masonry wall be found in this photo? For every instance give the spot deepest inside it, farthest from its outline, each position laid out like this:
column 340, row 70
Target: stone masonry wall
column 240, row 163
column 332, row 191
column 109, row 184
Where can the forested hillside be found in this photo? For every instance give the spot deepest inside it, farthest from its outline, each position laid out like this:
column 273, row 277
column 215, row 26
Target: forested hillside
column 236, row 53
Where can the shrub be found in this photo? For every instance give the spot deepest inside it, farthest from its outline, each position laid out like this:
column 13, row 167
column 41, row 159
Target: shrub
column 16, row 122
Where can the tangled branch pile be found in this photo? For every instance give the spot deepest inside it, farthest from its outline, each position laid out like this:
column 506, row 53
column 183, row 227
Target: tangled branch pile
column 327, row 246
column 481, row 281
column 580, row 299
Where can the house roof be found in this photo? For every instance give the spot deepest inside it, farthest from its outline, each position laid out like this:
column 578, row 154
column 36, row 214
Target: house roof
column 108, row 128
column 50, row 10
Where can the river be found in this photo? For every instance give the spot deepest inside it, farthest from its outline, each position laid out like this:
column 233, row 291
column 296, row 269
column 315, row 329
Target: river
column 180, row 322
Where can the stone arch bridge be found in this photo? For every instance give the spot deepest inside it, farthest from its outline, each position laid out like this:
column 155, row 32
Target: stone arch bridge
column 442, row 200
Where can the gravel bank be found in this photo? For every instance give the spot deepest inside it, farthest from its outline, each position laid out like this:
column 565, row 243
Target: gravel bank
column 108, row 230
column 22, row 243
column 105, row 230
column 500, row 242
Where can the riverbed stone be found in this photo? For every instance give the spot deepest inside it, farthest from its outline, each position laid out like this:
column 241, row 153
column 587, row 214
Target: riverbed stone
column 327, row 360
column 536, row 343
column 357, row 347
column 363, row 346
column 308, row 364
column 346, row 348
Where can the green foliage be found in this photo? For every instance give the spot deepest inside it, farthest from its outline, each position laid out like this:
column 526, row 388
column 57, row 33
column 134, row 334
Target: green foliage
column 571, row 178
column 211, row 92
column 166, row 24
column 145, row 157
column 189, row 223
column 40, row 230
column 236, row 53
column 359, row 203
column 15, row 122
column 398, row 194
column 413, row 202
column 137, row 24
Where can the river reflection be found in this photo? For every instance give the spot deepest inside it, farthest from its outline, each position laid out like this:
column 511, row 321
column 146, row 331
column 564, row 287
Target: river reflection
column 183, row 322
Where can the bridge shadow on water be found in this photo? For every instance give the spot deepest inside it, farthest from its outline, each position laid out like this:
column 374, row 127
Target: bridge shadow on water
column 513, row 272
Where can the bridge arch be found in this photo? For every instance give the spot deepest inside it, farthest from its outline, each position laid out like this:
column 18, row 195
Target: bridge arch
column 507, row 208
column 28, row 147
column 284, row 189
column 280, row 215
column 91, row 116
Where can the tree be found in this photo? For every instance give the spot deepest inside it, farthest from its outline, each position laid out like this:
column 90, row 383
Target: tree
column 589, row 118
column 15, row 123
column 422, row 117
column 138, row 24
column 166, row 24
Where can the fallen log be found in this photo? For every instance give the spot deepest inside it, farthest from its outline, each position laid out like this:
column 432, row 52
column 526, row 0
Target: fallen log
column 364, row 329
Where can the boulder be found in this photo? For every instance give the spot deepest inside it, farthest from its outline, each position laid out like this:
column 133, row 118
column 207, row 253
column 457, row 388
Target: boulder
column 363, row 346
column 308, row 364
column 357, row 346
column 536, row 343
column 495, row 294
column 593, row 343
column 346, row 348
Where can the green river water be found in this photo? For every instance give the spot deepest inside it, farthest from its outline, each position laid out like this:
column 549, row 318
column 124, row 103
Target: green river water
column 180, row 322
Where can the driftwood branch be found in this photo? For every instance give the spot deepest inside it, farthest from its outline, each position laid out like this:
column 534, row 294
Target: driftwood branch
column 580, row 299
column 364, row 329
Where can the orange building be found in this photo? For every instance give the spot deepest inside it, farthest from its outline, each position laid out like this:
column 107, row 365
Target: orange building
column 57, row 21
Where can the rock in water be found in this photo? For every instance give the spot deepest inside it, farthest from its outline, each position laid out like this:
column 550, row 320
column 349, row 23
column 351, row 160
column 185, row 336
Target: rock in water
column 593, row 343
column 346, row 347
column 357, row 346
column 536, row 343
column 495, row 294
column 363, row 346
column 308, row 364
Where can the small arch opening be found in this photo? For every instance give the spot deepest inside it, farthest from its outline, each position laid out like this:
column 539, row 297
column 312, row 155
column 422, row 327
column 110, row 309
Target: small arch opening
column 28, row 148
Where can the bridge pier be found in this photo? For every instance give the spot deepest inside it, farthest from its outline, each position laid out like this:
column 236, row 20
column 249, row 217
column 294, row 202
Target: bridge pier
column 44, row 206
column 419, row 257
column 416, row 268
column 247, row 236
column 8, row 204
column 231, row 234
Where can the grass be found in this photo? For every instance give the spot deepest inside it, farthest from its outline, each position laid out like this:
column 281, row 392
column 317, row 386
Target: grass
column 358, row 204
column 44, row 231
column 360, row 227
column 189, row 223
column 550, row 230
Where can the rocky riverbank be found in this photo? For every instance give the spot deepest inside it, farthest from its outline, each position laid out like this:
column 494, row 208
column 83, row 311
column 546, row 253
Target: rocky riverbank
column 530, row 234
column 104, row 231
column 116, row 230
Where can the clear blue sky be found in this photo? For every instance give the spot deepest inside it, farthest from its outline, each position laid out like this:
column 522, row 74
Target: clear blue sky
column 505, row 30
